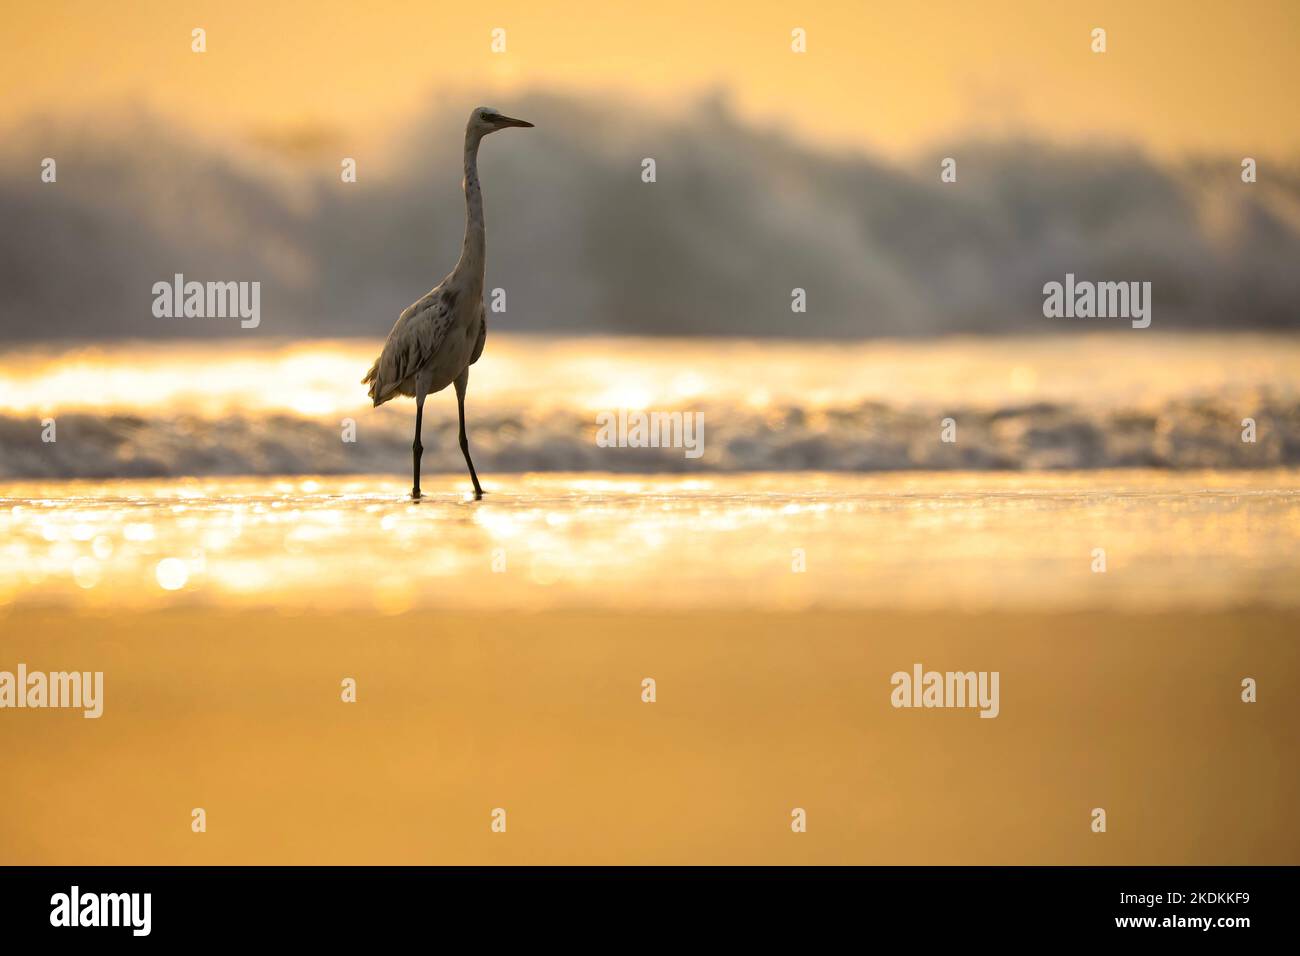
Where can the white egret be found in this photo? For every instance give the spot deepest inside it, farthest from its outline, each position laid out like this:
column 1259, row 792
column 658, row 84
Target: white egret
column 437, row 338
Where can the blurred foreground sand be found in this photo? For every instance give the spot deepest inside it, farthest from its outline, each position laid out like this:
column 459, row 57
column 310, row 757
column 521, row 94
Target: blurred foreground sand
column 757, row 713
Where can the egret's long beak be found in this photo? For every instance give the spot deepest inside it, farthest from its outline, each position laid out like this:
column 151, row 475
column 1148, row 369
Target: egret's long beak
column 505, row 121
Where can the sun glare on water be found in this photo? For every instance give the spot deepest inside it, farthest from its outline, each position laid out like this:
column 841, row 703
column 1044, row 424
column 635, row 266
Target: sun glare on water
column 323, row 379
column 626, row 541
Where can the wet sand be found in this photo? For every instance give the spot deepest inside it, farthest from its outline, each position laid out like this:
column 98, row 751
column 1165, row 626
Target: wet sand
column 226, row 614
column 771, row 540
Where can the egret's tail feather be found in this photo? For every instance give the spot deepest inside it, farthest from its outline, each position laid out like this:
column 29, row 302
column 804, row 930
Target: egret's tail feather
column 377, row 390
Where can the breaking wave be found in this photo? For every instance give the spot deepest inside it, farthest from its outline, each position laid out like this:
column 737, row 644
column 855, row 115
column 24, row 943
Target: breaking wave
column 1070, row 402
column 738, row 217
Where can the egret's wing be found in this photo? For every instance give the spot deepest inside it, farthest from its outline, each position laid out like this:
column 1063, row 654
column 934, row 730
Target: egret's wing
column 416, row 336
column 482, row 335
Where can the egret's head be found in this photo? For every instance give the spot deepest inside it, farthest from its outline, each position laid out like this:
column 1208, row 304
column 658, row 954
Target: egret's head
column 486, row 120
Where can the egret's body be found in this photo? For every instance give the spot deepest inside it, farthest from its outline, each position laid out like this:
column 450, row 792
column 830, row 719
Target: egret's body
column 438, row 337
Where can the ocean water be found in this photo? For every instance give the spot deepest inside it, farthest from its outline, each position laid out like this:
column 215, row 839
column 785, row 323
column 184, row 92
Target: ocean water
column 220, row 473
column 250, row 406
column 1111, row 540
column 1099, row 535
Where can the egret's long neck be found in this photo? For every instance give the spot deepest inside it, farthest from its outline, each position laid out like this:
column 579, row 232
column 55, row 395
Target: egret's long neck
column 474, row 252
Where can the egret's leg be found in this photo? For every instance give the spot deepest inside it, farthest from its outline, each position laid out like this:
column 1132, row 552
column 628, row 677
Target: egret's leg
column 462, row 380
column 417, row 449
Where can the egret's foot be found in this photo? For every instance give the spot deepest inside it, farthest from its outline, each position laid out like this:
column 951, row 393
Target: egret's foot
column 478, row 493
column 415, row 494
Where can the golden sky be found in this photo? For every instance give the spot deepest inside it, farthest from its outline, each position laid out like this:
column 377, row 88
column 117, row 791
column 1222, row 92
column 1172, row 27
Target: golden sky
column 1178, row 75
